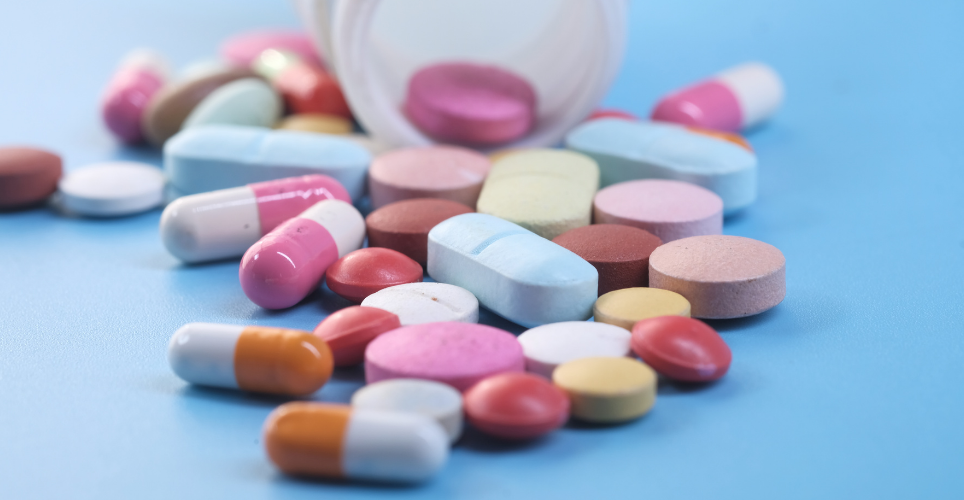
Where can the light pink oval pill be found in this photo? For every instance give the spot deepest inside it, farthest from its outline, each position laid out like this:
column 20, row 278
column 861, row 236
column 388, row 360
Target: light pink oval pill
column 466, row 103
column 444, row 172
column 457, row 354
column 669, row 209
column 721, row 276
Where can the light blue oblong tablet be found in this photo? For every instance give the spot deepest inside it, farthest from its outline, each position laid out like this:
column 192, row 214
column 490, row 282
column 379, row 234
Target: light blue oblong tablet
column 248, row 101
column 519, row 275
column 629, row 150
column 211, row 157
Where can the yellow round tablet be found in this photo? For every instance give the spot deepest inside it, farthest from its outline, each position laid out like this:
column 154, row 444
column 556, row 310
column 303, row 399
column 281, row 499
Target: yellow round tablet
column 605, row 389
column 627, row 306
column 317, row 123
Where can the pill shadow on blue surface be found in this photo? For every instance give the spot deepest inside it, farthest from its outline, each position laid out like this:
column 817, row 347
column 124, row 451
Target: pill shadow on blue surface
column 487, row 317
column 728, row 325
column 667, row 387
column 476, row 440
column 283, row 479
column 235, row 397
column 352, row 374
column 583, row 425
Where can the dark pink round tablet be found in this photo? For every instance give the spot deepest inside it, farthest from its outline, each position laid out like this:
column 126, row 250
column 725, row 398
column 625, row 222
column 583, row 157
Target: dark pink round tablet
column 27, row 176
column 454, row 353
column 681, row 348
column 368, row 270
column 474, row 104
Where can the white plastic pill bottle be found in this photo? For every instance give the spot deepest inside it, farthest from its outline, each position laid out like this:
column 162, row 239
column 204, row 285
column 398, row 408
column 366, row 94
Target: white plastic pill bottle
column 569, row 51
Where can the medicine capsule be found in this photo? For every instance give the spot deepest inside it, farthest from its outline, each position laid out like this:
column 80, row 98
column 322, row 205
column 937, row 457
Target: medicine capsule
column 140, row 75
column 733, row 100
column 327, row 440
column 225, row 223
column 287, row 264
column 250, row 358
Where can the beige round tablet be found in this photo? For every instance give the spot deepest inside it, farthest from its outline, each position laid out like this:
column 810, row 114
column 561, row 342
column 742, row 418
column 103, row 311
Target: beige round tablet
column 317, row 123
column 607, row 390
column 721, row 276
column 625, row 307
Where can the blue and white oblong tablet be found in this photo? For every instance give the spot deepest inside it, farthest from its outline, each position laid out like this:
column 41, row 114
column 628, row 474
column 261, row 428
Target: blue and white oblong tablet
column 629, row 150
column 211, row 157
column 517, row 274
column 112, row 189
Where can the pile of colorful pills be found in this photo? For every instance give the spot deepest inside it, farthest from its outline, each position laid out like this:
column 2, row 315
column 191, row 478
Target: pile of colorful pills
column 624, row 226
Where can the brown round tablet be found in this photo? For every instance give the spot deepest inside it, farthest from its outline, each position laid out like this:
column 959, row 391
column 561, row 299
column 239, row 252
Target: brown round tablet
column 722, row 276
column 403, row 226
column 27, row 176
column 619, row 253
column 172, row 104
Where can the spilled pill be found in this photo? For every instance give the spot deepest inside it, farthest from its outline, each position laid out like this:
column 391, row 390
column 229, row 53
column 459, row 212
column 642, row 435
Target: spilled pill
column 112, row 189
column 516, row 406
column 27, row 175
column 607, row 390
column 681, row 348
column 619, row 253
column 248, row 101
column 435, row 400
column 349, row 331
column 668, row 209
column 417, row 303
column 404, row 225
column 625, row 307
column 548, row 346
column 141, row 74
column 445, row 172
column 368, row 270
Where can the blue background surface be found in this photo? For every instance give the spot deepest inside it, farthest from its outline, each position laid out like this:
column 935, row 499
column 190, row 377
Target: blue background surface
column 852, row 388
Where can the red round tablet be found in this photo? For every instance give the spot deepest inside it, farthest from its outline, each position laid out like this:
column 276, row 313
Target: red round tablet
column 516, row 406
column 309, row 89
column 366, row 271
column 404, row 225
column 349, row 331
column 27, row 176
column 619, row 253
column 612, row 113
column 681, row 348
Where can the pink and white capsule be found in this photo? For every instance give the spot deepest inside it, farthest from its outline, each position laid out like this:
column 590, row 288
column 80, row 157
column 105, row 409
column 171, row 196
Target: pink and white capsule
column 736, row 99
column 140, row 75
column 288, row 263
column 224, row 223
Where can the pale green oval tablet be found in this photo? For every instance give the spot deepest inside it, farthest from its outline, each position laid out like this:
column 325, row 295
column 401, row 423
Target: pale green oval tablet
column 249, row 101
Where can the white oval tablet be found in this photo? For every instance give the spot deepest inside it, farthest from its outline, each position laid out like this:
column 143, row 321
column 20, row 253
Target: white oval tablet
column 425, row 397
column 112, row 189
column 548, row 346
column 417, row 303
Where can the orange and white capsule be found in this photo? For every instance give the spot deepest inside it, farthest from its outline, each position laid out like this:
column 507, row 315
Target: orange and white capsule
column 250, row 358
column 328, row 440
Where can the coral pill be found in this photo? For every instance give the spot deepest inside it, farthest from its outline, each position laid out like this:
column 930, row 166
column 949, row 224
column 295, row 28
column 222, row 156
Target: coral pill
column 681, row 348
column 349, row 331
column 27, row 176
column 516, row 406
column 368, row 270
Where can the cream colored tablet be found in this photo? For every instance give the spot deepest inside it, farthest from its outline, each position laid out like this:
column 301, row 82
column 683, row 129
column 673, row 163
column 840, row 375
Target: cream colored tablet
column 625, row 307
column 607, row 390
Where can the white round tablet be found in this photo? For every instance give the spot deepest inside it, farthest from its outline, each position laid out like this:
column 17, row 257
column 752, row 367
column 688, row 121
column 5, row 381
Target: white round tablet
column 426, row 397
column 417, row 303
column 112, row 189
column 548, row 346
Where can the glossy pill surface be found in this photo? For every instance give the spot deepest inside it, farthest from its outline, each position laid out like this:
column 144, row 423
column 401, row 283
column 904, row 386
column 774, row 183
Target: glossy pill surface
column 548, row 346
column 516, row 406
column 668, row 209
column 721, row 276
column 547, row 191
column 368, row 270
column 417, row 303
column 681, row 348
column 607, row 390
column 619, row 253
column 467, row 103
column 625, row 307
column 336, row 441
column 27, row 176
column 140, row 75
column 403, row 226
column 250, row 358
column 432, row 399
column 457, row 354
column 349, row 331
column 445, row 172
column 289, row 262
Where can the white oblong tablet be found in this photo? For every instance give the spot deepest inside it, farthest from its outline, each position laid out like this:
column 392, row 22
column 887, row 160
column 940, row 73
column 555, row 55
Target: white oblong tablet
column 425, row 397
column 112, row 189
column 548, row 346
column 417, row 303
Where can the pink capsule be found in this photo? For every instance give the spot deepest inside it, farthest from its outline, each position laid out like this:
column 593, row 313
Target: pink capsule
column 140, row 75
column 224, row 223
column 736, row 99
column 288, row 263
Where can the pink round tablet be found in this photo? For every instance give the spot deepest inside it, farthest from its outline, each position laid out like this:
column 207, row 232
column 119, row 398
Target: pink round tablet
column 445, row 172
column 721, row 276
column 242, row 49
column 466, row 103
column 668, row 209
column 457, row 354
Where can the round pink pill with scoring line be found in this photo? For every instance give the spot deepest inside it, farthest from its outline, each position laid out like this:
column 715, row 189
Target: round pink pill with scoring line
column 472, row 104
column 669, row 209
column 453, row 353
